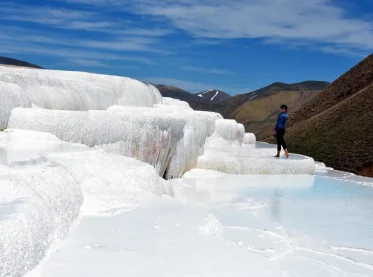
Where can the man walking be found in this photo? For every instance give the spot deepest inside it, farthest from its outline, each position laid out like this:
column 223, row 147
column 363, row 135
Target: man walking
column 279, row 131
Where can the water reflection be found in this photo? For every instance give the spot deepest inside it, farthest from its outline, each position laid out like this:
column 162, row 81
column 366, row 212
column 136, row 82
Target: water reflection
column 3, row 156
column 337, row 211
column 227, row 189
column 276, row 205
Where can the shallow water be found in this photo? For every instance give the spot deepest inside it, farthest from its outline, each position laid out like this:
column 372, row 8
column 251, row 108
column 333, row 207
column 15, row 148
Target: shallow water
column 310, row 225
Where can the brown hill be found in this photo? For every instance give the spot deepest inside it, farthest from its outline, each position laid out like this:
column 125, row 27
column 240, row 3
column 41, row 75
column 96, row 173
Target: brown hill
column 356, row 79
column 259, row 115
column 258, row 110
column 336, row 126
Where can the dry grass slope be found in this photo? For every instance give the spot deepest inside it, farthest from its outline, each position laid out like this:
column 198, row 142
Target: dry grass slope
column 356, row 79
column 336, row 126
column 259, row 115
column 341, row 137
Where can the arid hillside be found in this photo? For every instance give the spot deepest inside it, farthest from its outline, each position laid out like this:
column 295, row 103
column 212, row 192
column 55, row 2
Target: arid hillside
column 336, row 126
column 257, row 110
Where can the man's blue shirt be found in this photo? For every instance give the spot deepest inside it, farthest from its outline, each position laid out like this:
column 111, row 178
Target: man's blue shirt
column 281, row 121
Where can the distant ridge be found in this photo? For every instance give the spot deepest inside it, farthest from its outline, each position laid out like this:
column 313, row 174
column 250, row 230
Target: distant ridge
column 207, row 97
column 279, row 86
column 178, row 93
column 15, row 62
column 229, row 108
column 257, row 110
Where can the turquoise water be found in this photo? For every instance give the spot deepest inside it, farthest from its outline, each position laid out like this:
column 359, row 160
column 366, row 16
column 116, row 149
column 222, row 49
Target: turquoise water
column 318, row 225
column 340, row 212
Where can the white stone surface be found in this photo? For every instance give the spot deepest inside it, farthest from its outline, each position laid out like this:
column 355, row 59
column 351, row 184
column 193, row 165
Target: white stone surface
column 67, row 90
column 253, row 161
column 228, row 133
column 41, row 195
column 249, row 138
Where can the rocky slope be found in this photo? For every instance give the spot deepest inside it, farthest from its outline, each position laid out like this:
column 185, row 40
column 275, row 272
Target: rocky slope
column 336, row 126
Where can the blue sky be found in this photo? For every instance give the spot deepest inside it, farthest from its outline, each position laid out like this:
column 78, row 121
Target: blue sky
column 236, row 46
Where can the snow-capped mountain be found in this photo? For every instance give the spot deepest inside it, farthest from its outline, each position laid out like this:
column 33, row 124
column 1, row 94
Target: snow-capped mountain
column 213, row 96
column 180, row 94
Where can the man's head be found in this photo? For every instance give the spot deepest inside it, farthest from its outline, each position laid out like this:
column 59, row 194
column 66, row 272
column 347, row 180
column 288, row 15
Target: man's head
column 283, row 108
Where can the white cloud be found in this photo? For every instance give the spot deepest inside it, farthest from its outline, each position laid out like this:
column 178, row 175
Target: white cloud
column 205, row 70
column 56, row 17
column 128, row 43
column 20, row 40
column 117, row 35
column 89, row 26
column 314, row 21
column 77, row 19
column 143, row 32
column 209, row 41
column 326, row 48
column 333, row 49
column 95, row 64
column 89, row 63
column 194, row 87
column 94, row 2
column 68, row 53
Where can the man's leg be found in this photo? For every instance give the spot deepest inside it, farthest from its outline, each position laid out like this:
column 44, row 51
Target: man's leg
column 284, row 146
column 278, row 138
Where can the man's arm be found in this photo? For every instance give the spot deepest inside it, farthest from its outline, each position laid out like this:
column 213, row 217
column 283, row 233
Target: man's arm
column 277, row 123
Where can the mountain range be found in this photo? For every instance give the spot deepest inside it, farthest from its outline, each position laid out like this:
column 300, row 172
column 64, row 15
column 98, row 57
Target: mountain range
column 178, row 93
column 15, row 62
column 257, row 110
column 211, row 96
